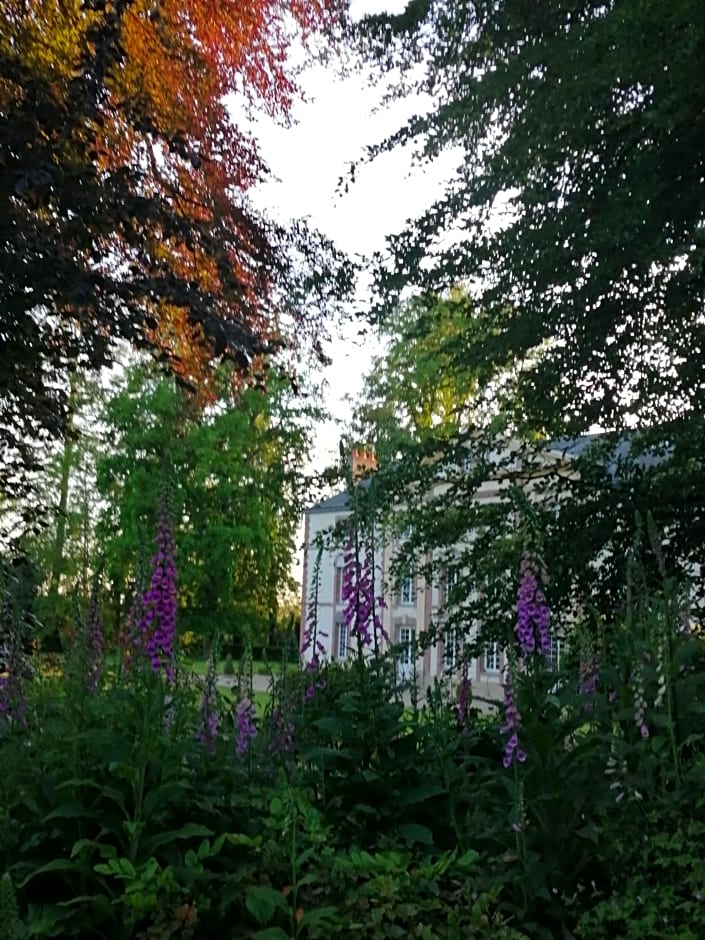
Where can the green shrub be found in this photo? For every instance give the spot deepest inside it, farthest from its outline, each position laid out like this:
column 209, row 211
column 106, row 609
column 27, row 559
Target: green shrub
column 10, row 925
column 154, row 809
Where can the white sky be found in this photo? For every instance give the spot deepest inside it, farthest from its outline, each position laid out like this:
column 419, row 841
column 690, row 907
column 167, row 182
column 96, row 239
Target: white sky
column 331, row 129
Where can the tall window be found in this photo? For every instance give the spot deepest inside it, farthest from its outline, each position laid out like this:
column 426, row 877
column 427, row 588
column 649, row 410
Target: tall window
column 450, row 649
column 554, row 656
column 405, row 657
column 343, row 637
column 339, row 565
column 451, row 582
column 492, row 657
column 407, row 591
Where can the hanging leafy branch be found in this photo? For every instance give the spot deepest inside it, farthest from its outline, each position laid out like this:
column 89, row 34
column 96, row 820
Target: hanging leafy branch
column 124, row 196
column 575, row 221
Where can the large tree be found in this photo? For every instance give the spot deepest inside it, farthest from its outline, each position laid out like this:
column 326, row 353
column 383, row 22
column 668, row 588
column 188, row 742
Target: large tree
column 419, row 387
column 576, row 219
column 124, row 211
column 578, row 196
column 235, row 474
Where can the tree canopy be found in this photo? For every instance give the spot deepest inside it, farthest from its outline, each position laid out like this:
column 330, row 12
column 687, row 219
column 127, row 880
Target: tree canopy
column 419, row 387
column 124, row 198
column 578, row 196
column 236, row 478
column 575, row 221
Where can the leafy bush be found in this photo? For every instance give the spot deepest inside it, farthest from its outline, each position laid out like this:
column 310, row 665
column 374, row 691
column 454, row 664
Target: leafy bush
column 146, row 806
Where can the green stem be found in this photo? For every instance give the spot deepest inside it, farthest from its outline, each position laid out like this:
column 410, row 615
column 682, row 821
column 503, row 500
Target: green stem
column 673, row 723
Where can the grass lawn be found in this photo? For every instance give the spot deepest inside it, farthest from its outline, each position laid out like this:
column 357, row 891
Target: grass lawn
column 261, row 699
column 259, row 667
column 51, row 665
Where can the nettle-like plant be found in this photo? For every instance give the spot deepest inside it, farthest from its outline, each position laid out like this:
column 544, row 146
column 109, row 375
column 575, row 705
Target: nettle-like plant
column 124, row 797
column 145, row 801
column 617, row 728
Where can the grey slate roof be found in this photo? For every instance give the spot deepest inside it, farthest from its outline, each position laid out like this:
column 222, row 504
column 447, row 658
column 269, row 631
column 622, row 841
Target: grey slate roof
column 340, row 502
column 615, row 454
column 337, row 503
column 567, row 446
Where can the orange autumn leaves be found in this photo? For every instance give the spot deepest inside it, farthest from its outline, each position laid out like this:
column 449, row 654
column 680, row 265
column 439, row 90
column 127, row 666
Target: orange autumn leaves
column 163, row 116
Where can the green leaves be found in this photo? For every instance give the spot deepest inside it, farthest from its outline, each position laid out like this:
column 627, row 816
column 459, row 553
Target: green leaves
column 118, row 867
column 10, row 926
column 414, row 833
column 272, row 933
column 55, row 865
column 388, row 822
column 574, row 217
column 238, row 487
column 187, row 831
column 263, row 902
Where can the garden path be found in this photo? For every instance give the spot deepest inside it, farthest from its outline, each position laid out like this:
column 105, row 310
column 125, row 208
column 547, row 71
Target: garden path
column 259, row 683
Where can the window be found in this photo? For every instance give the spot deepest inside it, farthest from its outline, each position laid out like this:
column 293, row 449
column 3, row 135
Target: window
column 343, row 636
column 339, row 571
column 407, row 591
column 492, row 657
column 405, row 642
column 451, row 582
column 405, row 655
column 450, row 649
column 556, row 652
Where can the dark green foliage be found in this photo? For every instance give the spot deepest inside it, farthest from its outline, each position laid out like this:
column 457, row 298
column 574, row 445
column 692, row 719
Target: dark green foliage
column 18, row 590
column 10, row 926
column 663, row 852
column 366, row 758
column 354, row 813
column 582, row 119
column 575, row 222
column 406, row 893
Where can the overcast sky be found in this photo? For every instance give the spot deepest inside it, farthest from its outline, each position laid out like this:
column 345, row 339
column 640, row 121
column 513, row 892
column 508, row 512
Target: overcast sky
column 307, row 160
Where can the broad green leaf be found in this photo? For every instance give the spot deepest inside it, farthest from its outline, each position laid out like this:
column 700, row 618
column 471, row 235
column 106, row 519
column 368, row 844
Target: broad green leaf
column 69, row 811
column 262, row 902
column 423, row 791
column 58, row 864
column 413, row 832
column 589, row 832
column 272, row 933
column 467, row 859
column 188, row 831
column 47, row 920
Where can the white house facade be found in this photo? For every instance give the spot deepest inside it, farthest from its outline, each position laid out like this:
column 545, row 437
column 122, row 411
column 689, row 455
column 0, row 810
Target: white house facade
column 411, row 605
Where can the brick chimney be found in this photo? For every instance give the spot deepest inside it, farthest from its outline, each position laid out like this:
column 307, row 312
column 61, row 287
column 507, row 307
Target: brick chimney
column 364, row 462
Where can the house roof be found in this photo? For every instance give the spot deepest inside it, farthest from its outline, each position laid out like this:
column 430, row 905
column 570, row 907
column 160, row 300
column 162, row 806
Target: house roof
column 615, row 454
column 340, row 502
column 567, row 447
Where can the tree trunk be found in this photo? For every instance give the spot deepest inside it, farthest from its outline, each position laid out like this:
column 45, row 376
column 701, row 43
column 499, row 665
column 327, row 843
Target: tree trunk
column 57, row 560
